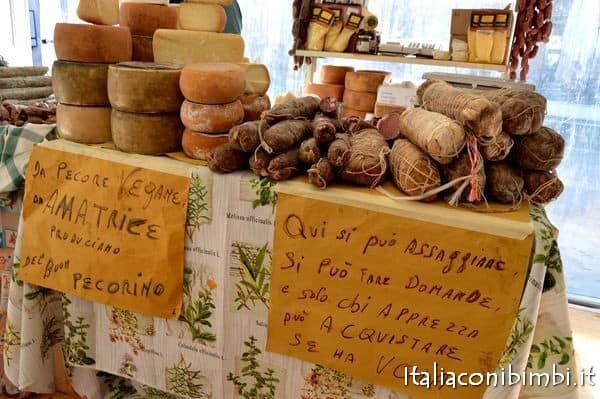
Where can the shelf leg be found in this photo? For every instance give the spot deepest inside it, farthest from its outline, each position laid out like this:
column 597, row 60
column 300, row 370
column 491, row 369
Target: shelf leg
column 309, row 70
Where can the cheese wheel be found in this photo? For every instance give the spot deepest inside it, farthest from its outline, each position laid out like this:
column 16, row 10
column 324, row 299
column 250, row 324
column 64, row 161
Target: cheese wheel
column 142, row 48
column 85, row 125
column 325, row 90
column 221, row 2
column 144, row 87
column 335, row 75
column 347, row 112
column 146, row 134
column 383, row 109
column 101, row 12
column 254, row 105
column 258, row 79
column 198, row 145
column 163, row 2
column 202, row 17
column 211, row 118
column 145, row 19
column 212, row 83
column 190, row 47
column 77, row 83
column 92, row 43
column 360, row 101
column 366, row 81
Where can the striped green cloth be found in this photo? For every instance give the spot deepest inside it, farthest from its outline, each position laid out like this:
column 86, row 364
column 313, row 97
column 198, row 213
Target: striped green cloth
column 16, row 144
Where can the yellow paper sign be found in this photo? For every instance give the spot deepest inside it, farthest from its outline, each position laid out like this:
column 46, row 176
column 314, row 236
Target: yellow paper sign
column 104, row 231
column 372, row 295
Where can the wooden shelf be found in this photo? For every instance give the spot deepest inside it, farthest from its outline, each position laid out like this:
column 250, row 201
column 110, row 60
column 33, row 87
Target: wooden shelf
column 401, row 60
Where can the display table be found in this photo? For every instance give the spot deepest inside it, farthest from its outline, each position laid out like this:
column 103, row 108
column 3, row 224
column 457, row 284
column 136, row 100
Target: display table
column 223, row 328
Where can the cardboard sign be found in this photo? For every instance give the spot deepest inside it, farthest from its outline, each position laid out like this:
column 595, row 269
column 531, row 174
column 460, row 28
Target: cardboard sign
column 104, row 231
column 373, row 294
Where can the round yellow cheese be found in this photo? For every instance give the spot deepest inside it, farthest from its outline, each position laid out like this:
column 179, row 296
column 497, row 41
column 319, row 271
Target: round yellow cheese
column 212, row 118
column 202, row 17
column 366, row 81
column 212, row 83
column 360, row 101
column 144, row 87
column 146, row 134
column 85, row 125
column 78, row 83
column 190, row 47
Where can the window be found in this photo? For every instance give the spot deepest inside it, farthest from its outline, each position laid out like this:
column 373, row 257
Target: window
column 566, row 71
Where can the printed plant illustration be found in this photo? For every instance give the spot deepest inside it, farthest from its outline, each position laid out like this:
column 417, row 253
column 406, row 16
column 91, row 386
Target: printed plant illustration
column 147, row 392
column 76, row 346
column 118, row 387
column 253, row 382
column 183, row 380
column 325, row 383
column 52, row 334
column 264, row 192
column 41, row 296
column 15, row 272
column 124, row 328
column 521, row 331
column 551, row 256
column 198, row 310
column 128, row 367
column 12, row 338
column 254, row 272
column 560, row 349
column 198, row 212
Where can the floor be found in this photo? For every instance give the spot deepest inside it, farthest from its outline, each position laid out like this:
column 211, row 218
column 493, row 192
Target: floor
column 586, row 335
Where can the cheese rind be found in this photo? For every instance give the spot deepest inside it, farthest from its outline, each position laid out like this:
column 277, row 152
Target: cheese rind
column 142, row 48
column 258, row 79
column 360, row 101
column 78, row 83
column 145, row 19
column 254, row 105
column 190, row 47
column 198, row 145
column 334, row 75
column 202, row 17
column 212, row 83
column 366, row 81
column 146, row 134
column 92, row 43
column 324, row 90
column 211, row 118
column 85, row 125
column 144, row 87
column 221, row 2
column 101, row 12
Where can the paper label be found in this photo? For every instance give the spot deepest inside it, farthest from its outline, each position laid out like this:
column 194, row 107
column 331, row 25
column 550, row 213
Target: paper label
column 104, row 231
column 372, row 295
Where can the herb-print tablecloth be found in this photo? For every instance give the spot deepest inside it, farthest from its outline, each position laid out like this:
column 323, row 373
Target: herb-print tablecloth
column 216, row 350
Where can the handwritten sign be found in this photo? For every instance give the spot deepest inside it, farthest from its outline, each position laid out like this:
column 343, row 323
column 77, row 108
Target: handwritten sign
column 372, row 295
column 104, row 231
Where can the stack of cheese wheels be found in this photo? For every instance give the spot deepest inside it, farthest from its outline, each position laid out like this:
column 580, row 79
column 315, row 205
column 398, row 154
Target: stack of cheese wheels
column 211, row 106
column 333, row 79
column 146, row 100
column 143, row 18
column 197, row 37
column 255, row 100
column 360, row 95
column 79, row 77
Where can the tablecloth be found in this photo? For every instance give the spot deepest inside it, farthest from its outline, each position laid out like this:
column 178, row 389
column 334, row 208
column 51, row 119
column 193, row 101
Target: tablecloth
column 217, row 349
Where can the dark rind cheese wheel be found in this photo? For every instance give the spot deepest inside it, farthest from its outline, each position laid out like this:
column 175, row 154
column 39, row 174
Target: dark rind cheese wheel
column 144, row 19
column 360, row 101
column 335, row 75
column 198, row 145
column 77, row 83
column 324, row 90
column 254, row 105
column 92, row 43
column 213, row 82
column 207, row 118
column 366, row 81
column 142, row 49
column 146, row 134
column 85, row 125
column 144, row 87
